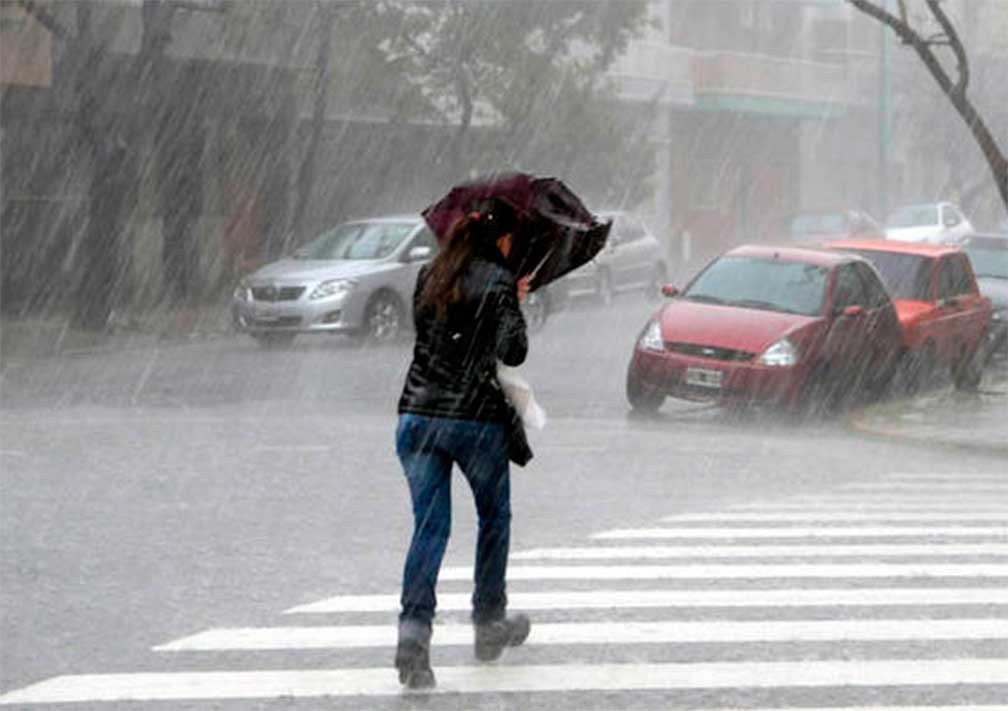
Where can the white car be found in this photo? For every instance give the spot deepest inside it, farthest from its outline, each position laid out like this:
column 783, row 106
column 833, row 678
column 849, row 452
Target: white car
column 933, row 223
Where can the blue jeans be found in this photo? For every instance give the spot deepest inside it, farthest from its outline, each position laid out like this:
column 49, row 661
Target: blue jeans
column 427, row 448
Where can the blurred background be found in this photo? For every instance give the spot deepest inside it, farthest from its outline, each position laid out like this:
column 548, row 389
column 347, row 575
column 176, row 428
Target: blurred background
column 154, row 151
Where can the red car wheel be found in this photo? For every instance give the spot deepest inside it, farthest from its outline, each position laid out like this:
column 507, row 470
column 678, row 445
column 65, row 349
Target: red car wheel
column 640, row 396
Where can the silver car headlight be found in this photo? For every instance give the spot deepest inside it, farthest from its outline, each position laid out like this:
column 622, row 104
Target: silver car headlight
column 651, row 339
column 1000, row 315
column 242, row 292
column 333, row 287
column 782, row 354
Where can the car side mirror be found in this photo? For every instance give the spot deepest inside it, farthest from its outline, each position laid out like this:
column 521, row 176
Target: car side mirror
column 951, row 221
column 853, row 311
column 419, row 253
column 669, row 290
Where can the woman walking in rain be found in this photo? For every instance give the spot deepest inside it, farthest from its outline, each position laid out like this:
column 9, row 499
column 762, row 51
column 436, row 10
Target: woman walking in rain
column 466, row 311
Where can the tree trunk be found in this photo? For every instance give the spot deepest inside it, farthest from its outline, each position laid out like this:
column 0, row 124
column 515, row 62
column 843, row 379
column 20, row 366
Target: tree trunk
column 99, row 268
column 306, row 174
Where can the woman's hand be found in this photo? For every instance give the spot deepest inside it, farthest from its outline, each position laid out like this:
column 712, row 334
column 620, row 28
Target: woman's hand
column 523, row 289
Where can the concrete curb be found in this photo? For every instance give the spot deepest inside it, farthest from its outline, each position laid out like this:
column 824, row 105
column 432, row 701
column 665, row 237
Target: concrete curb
column 873, row 421
column 891, row 435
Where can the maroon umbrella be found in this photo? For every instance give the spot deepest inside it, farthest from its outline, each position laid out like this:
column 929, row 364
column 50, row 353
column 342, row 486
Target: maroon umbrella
column 556, row 232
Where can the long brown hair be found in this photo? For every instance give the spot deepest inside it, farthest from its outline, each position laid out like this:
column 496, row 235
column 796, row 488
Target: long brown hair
column 472, row 234
column 443, row 285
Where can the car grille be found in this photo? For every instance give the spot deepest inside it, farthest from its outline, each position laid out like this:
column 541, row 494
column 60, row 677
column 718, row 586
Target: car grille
column 712, row 352
column 277, row 293
column 281, row 321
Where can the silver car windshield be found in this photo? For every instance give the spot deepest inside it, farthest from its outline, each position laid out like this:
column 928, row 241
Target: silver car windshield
column 357, row 240
column 791, row 287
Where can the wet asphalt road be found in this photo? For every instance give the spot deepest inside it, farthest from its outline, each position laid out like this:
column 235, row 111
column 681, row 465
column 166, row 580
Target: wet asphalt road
column 154, row 493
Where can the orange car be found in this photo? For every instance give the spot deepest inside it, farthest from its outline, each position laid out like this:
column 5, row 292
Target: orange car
column 943, row 316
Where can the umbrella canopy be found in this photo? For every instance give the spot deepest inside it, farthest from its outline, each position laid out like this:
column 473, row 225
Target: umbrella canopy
column 556, row 232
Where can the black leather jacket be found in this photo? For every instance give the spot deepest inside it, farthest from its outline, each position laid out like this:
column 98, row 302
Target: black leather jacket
column 455, row 358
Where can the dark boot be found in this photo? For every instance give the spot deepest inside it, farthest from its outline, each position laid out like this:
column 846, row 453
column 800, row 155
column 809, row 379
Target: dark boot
column 492, row 637
column 412, row 658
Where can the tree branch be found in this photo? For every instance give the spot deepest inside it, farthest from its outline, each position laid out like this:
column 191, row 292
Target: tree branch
column 953, row 39
column 910, row 37
column 899, row 26
column 44, row 18
column 955, row 92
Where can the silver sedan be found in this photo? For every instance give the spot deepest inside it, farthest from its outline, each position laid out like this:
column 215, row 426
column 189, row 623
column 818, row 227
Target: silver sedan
column 356, row 279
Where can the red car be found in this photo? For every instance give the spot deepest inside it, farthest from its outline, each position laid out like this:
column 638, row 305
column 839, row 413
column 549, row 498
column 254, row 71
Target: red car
column 776, row 325
column 942, row 313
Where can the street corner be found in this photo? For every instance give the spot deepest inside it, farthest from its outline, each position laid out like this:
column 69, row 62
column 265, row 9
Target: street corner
column 968, row 420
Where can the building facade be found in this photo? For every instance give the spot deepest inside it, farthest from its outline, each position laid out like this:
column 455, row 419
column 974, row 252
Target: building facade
column 769, row 107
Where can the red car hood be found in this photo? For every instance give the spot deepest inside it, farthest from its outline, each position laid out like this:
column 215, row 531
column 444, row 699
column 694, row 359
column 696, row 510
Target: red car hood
column 909, row 311
column 732, row 327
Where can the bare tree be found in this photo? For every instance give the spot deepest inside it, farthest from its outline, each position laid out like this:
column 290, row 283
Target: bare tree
column 954, row 88
column 108, row 129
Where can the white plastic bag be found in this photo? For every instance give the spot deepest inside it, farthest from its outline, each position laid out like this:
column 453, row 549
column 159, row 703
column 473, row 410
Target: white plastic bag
column 519, row 394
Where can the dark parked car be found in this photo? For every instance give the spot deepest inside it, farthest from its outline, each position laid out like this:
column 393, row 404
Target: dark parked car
column 633, row 260
column 989, row 257
column 776, row 325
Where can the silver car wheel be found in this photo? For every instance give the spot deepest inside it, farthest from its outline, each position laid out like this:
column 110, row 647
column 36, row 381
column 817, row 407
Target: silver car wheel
column 384, row 319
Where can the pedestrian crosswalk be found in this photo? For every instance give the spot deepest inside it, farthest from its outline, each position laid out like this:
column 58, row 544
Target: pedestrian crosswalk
column 885, row 595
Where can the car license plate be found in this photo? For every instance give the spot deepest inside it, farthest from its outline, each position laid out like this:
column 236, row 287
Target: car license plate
column 704, row 377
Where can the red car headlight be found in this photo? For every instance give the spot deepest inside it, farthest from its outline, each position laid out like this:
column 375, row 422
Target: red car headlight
column 651, row 339
column 781, row 354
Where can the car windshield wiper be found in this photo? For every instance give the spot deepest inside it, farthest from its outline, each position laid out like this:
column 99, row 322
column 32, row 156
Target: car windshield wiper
column 705, row 298
column 764, row 305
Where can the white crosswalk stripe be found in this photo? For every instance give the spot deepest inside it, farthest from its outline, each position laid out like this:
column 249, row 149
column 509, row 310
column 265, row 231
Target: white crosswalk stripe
column 706, row 597
column 913, row 497
column 887, row 565
column 740, row 572
column 767, row 551
column 879, row 673
column 835, row 516
column 999, row 530
column 646, row 632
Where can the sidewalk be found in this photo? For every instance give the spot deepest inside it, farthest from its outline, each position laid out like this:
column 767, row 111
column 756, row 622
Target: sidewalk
column 946, row 417
column 33, row 337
